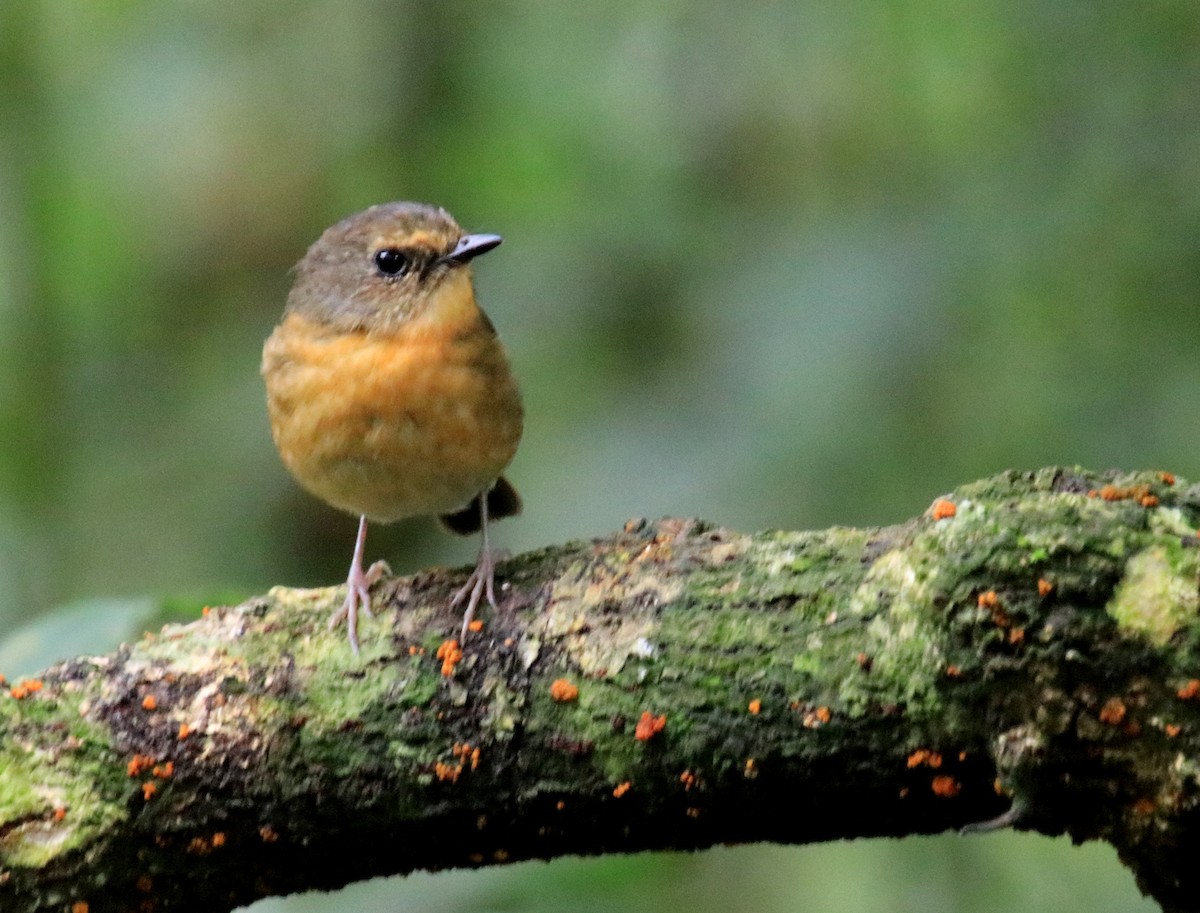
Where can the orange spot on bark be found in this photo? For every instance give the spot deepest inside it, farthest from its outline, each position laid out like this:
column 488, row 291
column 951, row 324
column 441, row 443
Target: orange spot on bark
column 26, row 687
column 1189, row 690
column 952, row 671
column 60, row 813
column 164, row 771
column 1167, row 477
column 449, row 653
column 149, row 788
column 1113, row 711
column 1144, row 806
column 1172, row 730
column 1139, row 493
column 80, row 906
column 218, row 839
column 688, row 779
column 139, row 763
column 943, row 509
column 447, row 772
column 924, row 757
column 990, row 601
column 184, row 731
column 1016, row 636
column 268, row 834
column 1045, row 587
column 755, row 706
column 649, row 725
column 563, row 691
column 476, row 625
column 945, row 786
column 622, row 788
column 149, row 702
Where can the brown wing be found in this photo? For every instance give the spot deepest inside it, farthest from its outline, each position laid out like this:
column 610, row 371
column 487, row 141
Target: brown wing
column 502, row 501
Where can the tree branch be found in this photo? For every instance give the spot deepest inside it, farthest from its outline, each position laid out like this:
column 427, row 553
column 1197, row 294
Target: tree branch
column 1024, row 653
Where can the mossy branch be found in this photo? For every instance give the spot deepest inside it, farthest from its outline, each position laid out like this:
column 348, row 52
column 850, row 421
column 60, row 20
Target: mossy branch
column 1024, row 654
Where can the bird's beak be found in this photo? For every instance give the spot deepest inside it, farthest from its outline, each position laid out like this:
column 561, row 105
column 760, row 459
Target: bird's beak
column 469, row 247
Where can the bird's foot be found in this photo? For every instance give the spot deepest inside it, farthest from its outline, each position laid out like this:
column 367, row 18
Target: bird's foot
column 358, row 596
column 482, row 582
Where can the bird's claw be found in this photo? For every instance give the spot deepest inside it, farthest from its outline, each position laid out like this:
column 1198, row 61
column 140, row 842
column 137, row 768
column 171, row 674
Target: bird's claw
column 358, row 596
column 481, row 582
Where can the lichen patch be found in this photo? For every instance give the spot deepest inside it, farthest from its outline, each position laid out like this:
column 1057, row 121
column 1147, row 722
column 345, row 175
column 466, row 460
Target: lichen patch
column 597, row 640
column 1158, row 594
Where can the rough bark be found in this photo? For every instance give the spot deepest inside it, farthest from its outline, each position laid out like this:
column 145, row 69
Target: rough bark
column 1029, row 660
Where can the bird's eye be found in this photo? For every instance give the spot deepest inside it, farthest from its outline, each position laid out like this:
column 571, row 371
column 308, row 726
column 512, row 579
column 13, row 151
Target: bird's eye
column 392, row 262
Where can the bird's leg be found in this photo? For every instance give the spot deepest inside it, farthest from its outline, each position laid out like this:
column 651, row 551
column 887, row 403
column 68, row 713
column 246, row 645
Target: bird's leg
column 482, row 580
column 358, row 588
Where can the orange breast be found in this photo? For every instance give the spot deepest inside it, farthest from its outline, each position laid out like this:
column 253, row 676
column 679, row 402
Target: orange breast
column 414, row 422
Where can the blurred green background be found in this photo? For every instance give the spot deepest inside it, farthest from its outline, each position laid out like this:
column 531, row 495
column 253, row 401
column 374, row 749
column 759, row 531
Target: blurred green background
column 776, row 265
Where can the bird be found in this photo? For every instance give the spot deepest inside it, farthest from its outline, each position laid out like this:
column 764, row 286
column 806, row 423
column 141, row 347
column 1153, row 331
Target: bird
column 389, row 392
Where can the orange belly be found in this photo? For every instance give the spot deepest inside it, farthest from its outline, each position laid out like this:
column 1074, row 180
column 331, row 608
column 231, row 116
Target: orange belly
column 415, row 422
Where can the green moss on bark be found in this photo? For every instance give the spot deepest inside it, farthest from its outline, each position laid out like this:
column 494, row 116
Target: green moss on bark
column 1032, row 655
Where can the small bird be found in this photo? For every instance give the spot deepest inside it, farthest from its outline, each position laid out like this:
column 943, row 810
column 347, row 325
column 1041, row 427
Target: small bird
column 389, row 392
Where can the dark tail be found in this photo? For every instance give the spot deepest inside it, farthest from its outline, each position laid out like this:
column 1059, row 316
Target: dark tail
column 502, row 501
